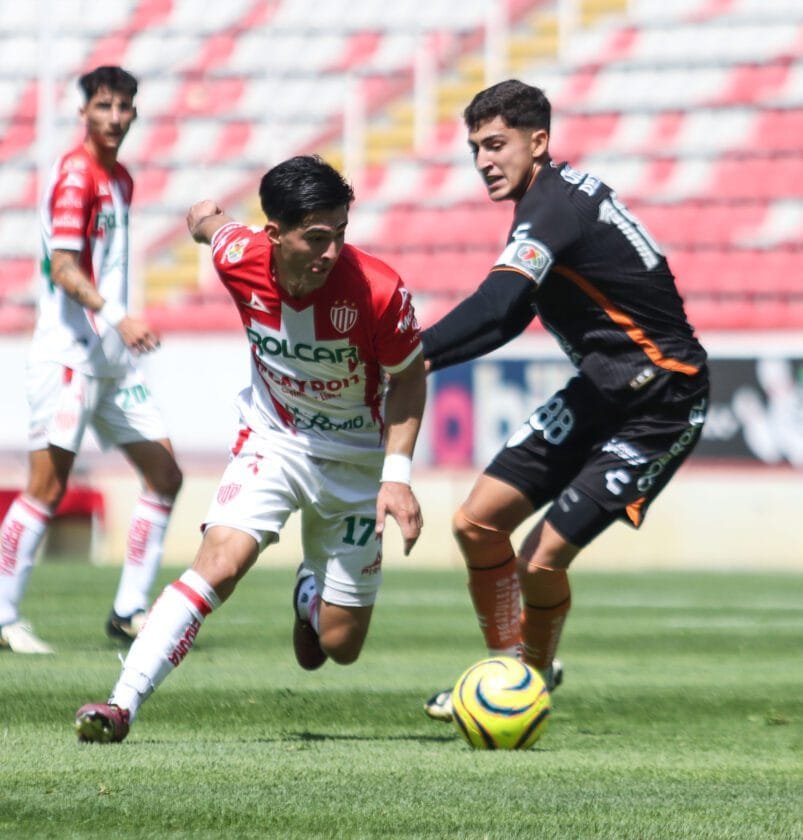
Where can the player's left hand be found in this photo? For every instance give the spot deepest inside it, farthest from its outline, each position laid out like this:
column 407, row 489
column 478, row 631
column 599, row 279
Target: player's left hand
column 137, row 335
column 398, row 500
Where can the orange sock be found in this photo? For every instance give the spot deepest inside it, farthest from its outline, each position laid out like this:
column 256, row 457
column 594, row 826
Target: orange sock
column 492, row 581
column 540, row 632
column 497, row 602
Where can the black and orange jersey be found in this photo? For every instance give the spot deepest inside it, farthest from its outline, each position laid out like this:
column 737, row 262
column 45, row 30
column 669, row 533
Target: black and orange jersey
column 603, row 287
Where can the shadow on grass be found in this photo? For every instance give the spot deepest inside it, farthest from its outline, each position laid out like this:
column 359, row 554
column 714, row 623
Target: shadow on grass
column 328, row 736
column 313, row 737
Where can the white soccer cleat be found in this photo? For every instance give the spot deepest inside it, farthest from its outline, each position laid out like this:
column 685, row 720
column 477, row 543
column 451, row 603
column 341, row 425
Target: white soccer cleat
column 553, row 676
column 20, row 638
column 439, row 706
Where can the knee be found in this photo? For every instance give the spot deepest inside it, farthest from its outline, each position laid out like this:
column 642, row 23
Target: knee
column 223, row 559
column 48, row 493
column 465, row 531
column 341, row 655
column 547, row 556
column 470, row 534
column 342, row 643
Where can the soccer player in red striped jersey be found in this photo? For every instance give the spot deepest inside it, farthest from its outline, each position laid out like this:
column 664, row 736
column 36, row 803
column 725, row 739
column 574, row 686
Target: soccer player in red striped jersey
column 82, row 369
column 602, row 447
column 327, row 428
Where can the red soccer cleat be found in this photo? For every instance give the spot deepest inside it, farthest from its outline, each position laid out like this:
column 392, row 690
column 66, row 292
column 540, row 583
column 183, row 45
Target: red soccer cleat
column 100, row 723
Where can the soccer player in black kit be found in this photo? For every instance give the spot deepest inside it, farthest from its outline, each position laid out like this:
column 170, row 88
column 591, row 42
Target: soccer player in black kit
column 606, row 444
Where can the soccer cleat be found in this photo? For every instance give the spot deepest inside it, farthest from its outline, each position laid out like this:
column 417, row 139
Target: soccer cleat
column 100, row 723
column 125, row 628
column 553, row 676
column 20, row 638
column 306, row 644
column 439, row 706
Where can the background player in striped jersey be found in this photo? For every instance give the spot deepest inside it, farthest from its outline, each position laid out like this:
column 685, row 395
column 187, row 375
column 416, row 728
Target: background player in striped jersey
column 602, row 447
column 328, row 427
column 81, row 371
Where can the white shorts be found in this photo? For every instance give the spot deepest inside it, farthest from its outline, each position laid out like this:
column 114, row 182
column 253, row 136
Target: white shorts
column 64, row 402
column 264, row 483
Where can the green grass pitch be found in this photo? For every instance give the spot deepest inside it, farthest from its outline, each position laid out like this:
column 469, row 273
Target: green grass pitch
column 680, row 717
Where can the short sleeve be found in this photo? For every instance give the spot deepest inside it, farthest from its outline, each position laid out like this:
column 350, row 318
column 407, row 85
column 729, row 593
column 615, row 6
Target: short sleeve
column 398, row 339
column 71, row 207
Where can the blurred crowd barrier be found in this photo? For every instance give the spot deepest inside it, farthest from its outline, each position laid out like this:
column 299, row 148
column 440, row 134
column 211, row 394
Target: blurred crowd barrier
column 735, row 504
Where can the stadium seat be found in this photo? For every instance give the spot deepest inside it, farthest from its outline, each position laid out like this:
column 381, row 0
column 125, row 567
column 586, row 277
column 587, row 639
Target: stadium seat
column 691, row 109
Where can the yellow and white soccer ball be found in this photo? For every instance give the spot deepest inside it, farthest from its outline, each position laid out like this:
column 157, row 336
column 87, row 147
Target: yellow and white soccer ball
column 500, row 704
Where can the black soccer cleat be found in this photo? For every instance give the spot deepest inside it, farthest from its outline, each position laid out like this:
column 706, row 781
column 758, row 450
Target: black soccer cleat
column 125, row 628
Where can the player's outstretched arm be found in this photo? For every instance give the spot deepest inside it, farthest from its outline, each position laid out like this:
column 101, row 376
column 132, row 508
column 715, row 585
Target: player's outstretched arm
column 404, row 407
column 204, row 219
column 495, row 313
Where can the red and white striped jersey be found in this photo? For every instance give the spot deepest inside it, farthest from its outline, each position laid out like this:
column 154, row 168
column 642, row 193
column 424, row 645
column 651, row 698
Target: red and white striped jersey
column 84, row 209
column 317, row 362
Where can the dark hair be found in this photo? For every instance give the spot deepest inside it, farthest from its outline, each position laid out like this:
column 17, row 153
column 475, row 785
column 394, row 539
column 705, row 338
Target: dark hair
column 295, row 188
column 519, row 105
column 114, row 78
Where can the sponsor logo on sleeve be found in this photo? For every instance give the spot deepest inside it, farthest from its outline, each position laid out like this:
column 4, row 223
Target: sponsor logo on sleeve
column 69, row 199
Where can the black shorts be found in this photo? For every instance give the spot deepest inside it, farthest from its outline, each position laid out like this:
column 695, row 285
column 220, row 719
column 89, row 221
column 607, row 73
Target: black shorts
column 597, row 462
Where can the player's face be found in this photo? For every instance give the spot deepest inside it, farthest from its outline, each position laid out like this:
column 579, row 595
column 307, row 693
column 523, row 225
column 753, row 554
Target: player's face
column 305, row 255
column 506, row 157
column 107, row 117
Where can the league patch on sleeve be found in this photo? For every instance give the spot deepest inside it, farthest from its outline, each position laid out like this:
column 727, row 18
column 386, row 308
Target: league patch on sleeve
column 529, row 256
column 234, row 253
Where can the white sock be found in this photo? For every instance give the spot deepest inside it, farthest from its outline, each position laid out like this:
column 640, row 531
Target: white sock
column 143, row 553
column 305, row 596
column 169, row 632
column 20, row 536
column 308, row 602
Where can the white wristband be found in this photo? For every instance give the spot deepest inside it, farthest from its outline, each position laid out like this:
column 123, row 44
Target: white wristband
column 111, row 313
column 397, row 468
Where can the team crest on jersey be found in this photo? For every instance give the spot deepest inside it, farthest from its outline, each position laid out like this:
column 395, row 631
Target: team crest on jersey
column 343, row 316
column 227, row 492
column 234, row 253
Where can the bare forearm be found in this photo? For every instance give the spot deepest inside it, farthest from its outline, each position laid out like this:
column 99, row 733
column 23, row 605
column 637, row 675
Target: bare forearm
column 67, row 274
column 204, row 219
column 404, row 408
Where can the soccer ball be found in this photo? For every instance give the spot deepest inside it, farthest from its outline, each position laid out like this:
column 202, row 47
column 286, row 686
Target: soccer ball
column 500, row 704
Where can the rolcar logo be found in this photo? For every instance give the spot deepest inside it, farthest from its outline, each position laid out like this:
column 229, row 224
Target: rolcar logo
column 269, row 346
